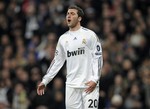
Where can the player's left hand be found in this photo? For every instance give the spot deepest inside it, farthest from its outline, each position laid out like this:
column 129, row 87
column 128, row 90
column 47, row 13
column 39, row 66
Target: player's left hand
column 91, row 86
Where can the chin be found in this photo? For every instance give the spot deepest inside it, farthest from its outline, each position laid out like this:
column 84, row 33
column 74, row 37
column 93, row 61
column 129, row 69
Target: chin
column 69, row 25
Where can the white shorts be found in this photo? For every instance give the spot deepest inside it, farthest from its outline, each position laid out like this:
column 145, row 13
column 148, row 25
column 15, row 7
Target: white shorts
column 77, row 98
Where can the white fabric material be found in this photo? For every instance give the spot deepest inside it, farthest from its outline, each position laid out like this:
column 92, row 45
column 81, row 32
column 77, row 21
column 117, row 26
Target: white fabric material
column 83, row 53
column 77, row 98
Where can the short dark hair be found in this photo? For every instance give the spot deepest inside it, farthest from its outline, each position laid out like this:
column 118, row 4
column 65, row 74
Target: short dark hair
column 80, row 11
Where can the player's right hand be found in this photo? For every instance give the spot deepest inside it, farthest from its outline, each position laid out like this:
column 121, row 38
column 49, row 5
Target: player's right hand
column 41, row 89
column 91, row 86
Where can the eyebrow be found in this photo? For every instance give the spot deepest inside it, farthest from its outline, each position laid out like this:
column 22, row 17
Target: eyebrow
column 71, row 12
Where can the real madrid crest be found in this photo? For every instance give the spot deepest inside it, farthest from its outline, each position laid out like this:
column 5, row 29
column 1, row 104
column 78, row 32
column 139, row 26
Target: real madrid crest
column 84, row 41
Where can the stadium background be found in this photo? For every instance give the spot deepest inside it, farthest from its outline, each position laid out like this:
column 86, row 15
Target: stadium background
column 29, row 30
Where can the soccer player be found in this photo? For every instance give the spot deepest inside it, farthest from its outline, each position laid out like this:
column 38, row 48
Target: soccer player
column 81, row 49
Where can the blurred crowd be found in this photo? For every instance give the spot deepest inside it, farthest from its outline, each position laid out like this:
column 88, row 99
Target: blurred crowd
column 29, row 31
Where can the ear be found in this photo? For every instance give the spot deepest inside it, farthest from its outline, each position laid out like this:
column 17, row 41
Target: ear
column 80, row 18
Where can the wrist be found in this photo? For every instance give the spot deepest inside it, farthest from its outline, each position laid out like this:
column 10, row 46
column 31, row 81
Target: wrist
column 95, row 81
column 44, row 82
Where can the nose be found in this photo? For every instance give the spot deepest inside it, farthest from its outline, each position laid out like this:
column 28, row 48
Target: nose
column 68, row 15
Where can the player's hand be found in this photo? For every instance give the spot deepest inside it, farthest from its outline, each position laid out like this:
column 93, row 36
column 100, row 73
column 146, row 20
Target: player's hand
column 91, row 86
column 41, row 89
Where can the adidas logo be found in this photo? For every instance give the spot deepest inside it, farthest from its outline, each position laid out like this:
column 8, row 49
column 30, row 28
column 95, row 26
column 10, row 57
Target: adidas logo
column 75, row 38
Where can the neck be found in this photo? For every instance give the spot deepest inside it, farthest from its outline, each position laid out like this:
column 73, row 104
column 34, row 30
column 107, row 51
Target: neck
column 75, row 28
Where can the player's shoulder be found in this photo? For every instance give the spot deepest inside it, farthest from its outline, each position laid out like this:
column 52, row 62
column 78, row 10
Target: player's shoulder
column 92, row 35
column 63, row 36
column 87, row 30
column 89, row 33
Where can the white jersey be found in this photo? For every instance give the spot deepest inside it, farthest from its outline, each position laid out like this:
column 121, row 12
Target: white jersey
column 83, row 53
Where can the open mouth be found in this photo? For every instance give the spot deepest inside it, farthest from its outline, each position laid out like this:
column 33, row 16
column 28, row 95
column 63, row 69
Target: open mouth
column 69, row 20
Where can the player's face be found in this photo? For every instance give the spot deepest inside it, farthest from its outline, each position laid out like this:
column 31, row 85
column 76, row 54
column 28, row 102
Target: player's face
column 72, row 18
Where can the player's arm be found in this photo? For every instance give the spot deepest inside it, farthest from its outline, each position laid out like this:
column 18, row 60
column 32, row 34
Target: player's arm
column 53, row 69
column 96, row 63
column 97, row 60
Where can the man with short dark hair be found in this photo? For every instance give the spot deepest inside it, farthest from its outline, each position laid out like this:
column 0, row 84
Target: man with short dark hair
column 81, row 48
